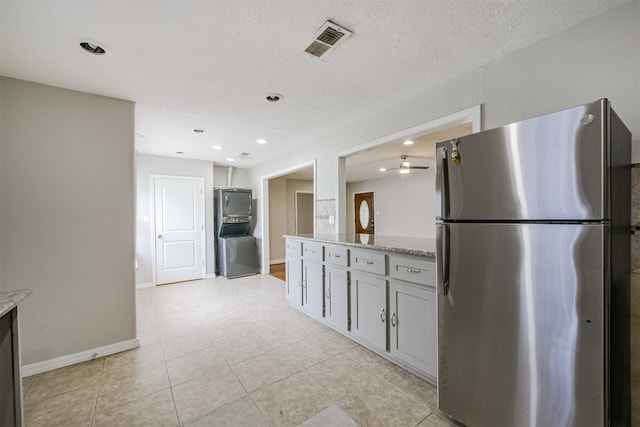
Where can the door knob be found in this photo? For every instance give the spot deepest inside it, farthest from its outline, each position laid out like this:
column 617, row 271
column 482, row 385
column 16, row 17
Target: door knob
column 159, row 236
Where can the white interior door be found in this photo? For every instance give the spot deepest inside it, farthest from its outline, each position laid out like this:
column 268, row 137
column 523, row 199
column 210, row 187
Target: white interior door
column 179, row 222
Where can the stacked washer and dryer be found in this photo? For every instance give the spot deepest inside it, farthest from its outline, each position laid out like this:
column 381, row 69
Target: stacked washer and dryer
column 236, row 247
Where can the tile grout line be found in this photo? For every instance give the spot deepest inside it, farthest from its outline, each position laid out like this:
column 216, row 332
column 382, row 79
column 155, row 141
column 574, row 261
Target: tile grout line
column 95, row 403
column 164, row 360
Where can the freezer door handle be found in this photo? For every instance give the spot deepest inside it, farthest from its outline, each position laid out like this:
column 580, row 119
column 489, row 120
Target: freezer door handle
column 442, row 257
column 442, row 182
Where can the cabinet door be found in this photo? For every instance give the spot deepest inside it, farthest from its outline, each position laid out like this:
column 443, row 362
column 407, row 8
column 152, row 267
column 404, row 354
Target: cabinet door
column 336, row 287
column 312, row 288
column 294, row 280
column 412, row 325
column 369, row 309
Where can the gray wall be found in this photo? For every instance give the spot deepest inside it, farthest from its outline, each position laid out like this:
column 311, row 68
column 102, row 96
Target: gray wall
column 597, row 58
column 282, row 212
column 67, row 217
column 147, row 165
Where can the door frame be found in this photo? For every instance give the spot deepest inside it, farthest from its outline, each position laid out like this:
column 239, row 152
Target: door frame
column 152, row 225
column 353, row 207
column 295, row 204
column 264, row 244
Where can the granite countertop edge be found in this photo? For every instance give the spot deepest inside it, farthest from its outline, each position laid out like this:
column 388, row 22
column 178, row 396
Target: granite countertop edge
column 402, row 245
column 10, row 299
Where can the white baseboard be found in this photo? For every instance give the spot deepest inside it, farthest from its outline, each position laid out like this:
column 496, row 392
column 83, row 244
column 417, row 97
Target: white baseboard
column 210, row 276
column 83, row 356
column 276, row 261
column 144, row 285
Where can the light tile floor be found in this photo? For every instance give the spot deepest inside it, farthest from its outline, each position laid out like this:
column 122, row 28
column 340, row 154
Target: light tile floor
column 231, row 353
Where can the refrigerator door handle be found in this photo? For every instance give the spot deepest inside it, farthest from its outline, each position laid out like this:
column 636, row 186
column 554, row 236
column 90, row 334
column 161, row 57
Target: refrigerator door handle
column 442, row 257
column 442, row 181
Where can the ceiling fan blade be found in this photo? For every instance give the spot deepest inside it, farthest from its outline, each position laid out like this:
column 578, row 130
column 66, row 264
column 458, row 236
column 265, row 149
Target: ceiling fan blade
column 418, row 167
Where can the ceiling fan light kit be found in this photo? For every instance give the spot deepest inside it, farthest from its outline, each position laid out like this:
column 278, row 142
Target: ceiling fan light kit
column 405, row 166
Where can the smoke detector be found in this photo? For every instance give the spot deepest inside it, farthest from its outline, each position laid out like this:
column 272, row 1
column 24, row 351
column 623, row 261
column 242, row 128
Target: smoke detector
column 327, row 38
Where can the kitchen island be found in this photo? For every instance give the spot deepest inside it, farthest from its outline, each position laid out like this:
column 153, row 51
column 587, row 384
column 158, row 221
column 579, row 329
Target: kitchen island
column 379, row 291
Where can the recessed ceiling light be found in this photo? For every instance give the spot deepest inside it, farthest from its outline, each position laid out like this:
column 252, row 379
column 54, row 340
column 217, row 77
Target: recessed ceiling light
column 261, row 141
column 198, row 130
column 382, row 169
column 217, row 147
column 93, row 47
column 229, row 159
column 408, row 142
column 274, row 97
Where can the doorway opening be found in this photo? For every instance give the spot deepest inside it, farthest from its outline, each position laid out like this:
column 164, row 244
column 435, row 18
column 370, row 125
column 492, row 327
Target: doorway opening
column 279, row 194
column 304, row 212
column 399, row 168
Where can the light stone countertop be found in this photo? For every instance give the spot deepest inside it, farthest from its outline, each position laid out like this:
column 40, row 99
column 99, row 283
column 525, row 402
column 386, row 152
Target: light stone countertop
column 10, row 299
column 396, row 244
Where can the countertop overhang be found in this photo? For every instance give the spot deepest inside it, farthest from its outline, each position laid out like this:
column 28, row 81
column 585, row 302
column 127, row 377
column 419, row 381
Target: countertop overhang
column 397, row 244
column 10, row 299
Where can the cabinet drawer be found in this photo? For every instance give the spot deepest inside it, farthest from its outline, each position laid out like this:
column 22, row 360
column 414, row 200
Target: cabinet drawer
column 312, row 250
column 337, row 255
column 294, row 247
column 369, row 261
column 411, row 269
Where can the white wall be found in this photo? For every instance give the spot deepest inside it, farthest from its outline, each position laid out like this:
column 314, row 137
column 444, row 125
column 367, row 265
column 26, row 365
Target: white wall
column 148, row 165
column 67, row 217
column 597, row 58
column 403, row 204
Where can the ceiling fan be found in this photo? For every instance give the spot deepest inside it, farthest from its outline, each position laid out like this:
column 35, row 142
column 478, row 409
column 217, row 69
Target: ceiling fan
column 405, row 165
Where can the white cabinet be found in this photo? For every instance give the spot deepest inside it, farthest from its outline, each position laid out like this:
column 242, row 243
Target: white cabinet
column 369, row 309
column 312, row 288
column 312, row 278
column 293, row 267
column 336, row 290
column 412, row 325
column 384, row 300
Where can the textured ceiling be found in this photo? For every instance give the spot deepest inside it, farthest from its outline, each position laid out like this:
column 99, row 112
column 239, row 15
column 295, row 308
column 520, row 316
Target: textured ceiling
column 210, row 64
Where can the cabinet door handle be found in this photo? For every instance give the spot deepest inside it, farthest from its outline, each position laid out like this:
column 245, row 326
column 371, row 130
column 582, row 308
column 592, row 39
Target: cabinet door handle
column 300, row 283
column 328, row 294
column 393, row 320
column 412, row 270
column 382, row 316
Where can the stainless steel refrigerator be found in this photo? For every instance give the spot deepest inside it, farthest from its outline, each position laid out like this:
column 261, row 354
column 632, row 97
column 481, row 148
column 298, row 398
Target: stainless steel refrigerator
column 533, row 223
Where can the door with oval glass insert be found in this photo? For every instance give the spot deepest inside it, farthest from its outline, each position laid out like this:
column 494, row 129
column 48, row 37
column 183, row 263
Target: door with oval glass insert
column 363, row 213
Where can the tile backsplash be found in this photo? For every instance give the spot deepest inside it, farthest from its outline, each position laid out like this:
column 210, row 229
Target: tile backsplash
column 325, row 211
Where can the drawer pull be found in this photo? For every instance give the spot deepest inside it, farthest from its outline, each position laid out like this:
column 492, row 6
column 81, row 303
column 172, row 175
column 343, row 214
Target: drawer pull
column 334, row 255
column 412, row 270
column 368, row 262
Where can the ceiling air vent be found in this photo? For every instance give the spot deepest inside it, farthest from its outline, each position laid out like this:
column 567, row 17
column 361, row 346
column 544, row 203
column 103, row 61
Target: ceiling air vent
column 327, row 38
column 244, row 155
